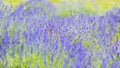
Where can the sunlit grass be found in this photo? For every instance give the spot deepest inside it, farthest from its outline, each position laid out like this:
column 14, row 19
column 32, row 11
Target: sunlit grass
column 31, row 61
column 14, row 3
column 90, row 6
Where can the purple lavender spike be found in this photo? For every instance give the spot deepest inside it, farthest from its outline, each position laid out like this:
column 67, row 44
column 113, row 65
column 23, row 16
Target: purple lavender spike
column 6, row 39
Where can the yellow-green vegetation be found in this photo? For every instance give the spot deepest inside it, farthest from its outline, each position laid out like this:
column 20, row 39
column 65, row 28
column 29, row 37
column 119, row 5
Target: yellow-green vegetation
column 113, row 39
column 110, row 63
column 75, row 39
column 118, row 34
column 98, row 47
column 87, row 6
column 1, row 64
column 33, row 60
column 2, row 30
column 65, row 13
column 116, row 56
column 84, row 6
column 55, row 1
column 105, row 5
column 86, row 43
column 55, row 62
column 25, row 62
column 14, row 3
column 12, row 29
column 1, row 34
column 22, row 30
column 97, row 63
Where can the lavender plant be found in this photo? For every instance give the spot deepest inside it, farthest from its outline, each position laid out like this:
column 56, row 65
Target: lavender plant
column 33, row 36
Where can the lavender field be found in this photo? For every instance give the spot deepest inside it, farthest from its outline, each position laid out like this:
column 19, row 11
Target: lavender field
column 38, row 34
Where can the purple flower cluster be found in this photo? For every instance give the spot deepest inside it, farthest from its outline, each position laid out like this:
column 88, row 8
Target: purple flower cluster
column 86, row 39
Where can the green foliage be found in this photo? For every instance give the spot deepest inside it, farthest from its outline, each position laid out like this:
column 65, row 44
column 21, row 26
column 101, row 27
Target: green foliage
column 32, row 61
